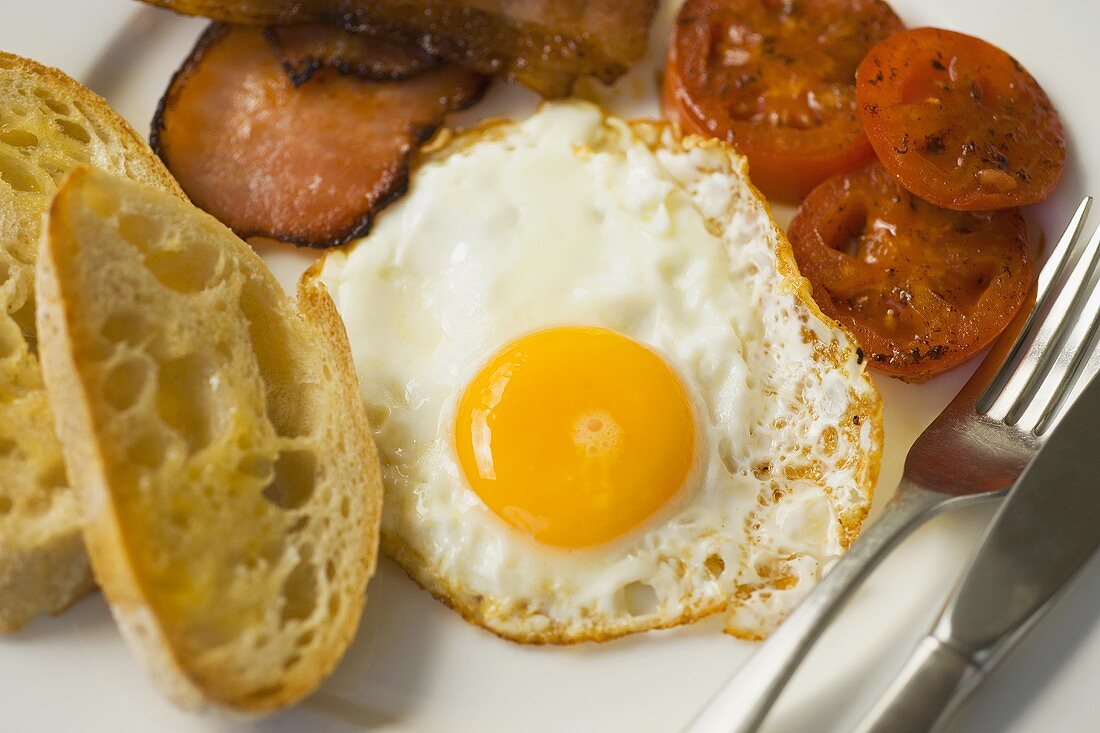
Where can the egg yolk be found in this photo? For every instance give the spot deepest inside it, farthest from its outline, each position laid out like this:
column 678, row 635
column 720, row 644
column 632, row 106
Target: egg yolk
column 575, row 435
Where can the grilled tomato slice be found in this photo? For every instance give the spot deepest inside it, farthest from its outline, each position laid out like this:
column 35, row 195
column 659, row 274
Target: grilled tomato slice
column 959, row 122
column 777, row 80
column 922, row 288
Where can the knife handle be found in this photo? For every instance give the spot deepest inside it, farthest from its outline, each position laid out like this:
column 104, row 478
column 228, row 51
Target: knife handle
column 934, row 679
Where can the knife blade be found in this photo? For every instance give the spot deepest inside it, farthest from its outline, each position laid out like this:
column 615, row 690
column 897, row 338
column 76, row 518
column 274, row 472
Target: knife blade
column 1046, row 530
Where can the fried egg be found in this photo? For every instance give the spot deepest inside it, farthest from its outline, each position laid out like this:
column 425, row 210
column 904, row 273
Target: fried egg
column 602, row 395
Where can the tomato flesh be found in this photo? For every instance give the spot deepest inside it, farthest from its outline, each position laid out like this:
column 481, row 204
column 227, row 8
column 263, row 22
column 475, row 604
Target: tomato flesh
column 777, row 80
column 959, row 122
column 922, row 288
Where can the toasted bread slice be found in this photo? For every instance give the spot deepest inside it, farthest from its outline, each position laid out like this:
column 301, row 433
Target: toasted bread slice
column 230, row 486
column 48, row 125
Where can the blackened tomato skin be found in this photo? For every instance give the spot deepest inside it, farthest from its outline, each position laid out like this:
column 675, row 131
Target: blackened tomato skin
column 922, row 288
column 776, row 80
column 959, row 122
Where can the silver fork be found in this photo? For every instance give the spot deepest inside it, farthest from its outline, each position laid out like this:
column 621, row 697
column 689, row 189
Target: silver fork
column 973, row 451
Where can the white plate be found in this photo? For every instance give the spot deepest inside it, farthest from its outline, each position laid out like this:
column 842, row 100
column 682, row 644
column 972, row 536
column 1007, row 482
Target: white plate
column 416, row 666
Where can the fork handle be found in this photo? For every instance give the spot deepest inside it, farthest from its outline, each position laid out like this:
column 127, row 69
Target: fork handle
column 743, row 702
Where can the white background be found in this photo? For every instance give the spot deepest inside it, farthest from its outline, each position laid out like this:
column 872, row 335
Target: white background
column 416, row 666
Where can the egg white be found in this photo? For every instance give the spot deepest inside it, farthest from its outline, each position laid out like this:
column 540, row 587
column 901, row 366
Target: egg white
column 573, row 217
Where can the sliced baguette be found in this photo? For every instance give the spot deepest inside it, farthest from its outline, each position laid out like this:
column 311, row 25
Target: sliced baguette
column 230, row 486
column 48, row 125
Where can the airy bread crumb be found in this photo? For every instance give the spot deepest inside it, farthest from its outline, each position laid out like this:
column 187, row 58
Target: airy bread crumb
column 230, row 484
column 49, row 124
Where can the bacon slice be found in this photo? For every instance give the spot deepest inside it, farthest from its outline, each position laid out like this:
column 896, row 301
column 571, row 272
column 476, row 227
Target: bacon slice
column 306, row 48
column 310, row 164
column 545, row 44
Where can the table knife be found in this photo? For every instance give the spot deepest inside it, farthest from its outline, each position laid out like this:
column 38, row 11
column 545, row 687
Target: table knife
column 1044, row 533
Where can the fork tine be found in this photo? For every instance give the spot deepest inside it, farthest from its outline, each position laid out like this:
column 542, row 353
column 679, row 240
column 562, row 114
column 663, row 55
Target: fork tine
column 1053, row 271
column 1064, row 370
column 1056, row 264
column 1051, row 327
